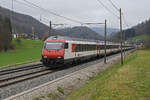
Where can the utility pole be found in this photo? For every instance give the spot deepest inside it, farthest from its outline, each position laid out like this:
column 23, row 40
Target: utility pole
column 40, row 18
column 50, row 28
column 121, row 36
column 124, row 40
column 33, row 32
column 105, row 40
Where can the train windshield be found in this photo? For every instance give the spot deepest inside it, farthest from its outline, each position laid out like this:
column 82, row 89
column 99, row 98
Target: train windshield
column 54, row 45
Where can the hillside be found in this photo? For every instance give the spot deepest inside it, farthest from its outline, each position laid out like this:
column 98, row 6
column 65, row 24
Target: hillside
column 81, row 32
column 138, row 30
column 143, row 28
column 100, row 30
column 23, row 24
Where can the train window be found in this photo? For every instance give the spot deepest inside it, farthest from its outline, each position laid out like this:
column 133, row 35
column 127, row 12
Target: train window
column 80, row 48
column 66, row 45
column 84, row 47
column 53, row 45
column 77, row 48
column 93, row 47
column 88, row 47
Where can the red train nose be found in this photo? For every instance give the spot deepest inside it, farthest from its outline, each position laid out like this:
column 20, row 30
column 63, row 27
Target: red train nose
column 53, row 53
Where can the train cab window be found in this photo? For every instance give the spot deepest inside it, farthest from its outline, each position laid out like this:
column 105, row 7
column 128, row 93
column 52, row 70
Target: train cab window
column 53, row 46
column 66, row 45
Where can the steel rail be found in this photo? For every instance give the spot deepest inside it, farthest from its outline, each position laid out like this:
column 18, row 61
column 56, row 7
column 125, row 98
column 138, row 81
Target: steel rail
column 13, row 70
column 14, row 81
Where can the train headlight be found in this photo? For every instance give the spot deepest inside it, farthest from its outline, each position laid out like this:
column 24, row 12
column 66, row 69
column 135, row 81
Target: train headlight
column 59, row 57
column 45, row 56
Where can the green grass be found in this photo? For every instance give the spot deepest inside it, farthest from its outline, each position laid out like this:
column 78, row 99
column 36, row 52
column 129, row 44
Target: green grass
column 27, row 51
column 128, row 82
column 53, row 96
column 140, row 37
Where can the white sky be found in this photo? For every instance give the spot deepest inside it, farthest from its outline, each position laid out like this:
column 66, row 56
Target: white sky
column 135, row 11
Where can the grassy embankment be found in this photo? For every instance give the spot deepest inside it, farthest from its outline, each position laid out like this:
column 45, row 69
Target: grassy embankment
column 128, row 82
column 26, row 51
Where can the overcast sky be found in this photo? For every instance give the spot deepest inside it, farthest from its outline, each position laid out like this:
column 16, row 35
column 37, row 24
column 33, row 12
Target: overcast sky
column 135, row 11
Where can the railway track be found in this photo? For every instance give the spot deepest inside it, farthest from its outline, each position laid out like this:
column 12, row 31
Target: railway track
column 13, row 80
column 14, row 70
column 7, row 76
column 16, row 75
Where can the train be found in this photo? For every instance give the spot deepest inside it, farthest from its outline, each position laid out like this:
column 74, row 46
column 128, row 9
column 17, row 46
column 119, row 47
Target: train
column 58, row 50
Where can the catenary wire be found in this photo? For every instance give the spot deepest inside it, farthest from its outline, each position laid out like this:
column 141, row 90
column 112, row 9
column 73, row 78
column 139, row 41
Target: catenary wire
column 53, row 13
column 107, row 8
column 117, row 8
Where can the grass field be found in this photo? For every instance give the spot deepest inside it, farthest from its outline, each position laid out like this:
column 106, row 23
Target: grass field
column 27, row 51
column 140, row 37
column 128, row 82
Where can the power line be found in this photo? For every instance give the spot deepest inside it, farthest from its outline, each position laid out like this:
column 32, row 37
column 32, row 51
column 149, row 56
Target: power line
column 53, row 13
column 117, row 8
column 23, row 3
column 40, row 19
column 107, row 8
column 35, row 6
column 94, row 23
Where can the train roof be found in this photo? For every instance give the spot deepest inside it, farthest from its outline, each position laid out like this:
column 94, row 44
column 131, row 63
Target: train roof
column 70, row 39
column 78, row 39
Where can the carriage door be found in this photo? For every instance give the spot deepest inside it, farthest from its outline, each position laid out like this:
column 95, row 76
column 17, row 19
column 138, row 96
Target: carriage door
column 66, row 50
